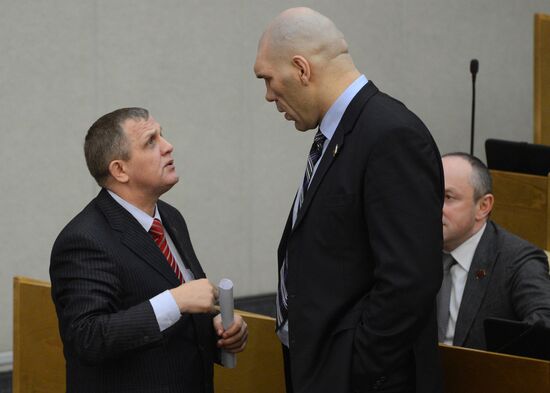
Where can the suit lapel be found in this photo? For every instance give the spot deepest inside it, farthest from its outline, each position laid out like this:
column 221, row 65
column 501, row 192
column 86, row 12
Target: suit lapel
column 336, row 144
column 479, row 277
column 134, row 237
column 182, row 242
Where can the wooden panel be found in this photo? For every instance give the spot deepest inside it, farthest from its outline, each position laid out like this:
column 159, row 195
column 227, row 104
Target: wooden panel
column 39, row 365
column 472, row 371
column 542, row 79
column 38, row 362
column 521, row 205
column 260, row 366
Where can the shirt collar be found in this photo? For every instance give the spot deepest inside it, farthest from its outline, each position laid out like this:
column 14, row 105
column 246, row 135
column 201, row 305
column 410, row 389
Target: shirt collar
column 464, row 254
column 143, row 218
column 336, row 111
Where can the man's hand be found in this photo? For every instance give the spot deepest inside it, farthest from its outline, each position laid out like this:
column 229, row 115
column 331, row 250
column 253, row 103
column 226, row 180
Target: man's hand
column 233, row 339
column 197, row 296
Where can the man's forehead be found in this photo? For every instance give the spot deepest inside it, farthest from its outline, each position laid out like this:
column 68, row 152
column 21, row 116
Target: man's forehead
column 140, row 126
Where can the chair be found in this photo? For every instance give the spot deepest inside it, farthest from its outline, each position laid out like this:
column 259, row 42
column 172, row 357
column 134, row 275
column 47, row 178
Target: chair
column 522, row 205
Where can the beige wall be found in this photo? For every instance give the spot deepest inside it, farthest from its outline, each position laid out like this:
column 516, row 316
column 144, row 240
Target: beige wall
column 65, row 63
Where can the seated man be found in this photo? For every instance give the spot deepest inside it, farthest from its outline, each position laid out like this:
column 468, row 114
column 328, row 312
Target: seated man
column 133, row 303
column 488, row 272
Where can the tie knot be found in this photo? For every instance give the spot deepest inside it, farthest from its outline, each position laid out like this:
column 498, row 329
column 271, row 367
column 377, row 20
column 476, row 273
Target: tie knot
column 448, row 262
column 319, row 139
column 156, row 229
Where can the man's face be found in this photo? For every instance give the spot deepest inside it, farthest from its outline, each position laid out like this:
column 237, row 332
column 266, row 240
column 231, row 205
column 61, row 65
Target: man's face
column 151, row 168
column 459, row 209
column 284, row 88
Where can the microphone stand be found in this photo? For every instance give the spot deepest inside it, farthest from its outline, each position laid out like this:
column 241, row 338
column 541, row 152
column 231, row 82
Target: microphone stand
column 474, row 66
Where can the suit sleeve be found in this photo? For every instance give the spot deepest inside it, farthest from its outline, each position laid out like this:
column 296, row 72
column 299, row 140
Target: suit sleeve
column 86, row 289
column 530, row 286
column 402, row 208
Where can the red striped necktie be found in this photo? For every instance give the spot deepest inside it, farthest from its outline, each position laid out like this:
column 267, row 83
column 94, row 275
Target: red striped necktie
column 157, row 231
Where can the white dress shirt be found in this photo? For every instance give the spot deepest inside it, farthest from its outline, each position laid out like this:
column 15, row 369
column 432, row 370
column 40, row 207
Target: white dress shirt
column 166, row 310
column 463, row 255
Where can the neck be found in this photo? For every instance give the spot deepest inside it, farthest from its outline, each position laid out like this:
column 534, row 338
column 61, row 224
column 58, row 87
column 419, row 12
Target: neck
column 333, row 88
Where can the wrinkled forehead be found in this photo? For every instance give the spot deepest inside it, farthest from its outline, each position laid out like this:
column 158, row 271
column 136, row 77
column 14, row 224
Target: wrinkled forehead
column 136, row 127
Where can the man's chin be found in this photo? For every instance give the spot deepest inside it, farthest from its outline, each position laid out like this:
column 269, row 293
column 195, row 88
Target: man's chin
column 301, row 127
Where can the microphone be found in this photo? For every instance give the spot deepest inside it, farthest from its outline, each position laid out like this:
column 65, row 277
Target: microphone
column 474, row 67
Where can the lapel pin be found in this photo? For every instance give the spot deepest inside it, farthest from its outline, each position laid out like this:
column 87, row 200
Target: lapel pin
column 480, row 274
column 335, row 151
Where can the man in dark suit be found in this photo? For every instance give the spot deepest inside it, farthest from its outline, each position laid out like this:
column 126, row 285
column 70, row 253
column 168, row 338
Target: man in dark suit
column 133, row 303
column 360, row 258
column 491, row 272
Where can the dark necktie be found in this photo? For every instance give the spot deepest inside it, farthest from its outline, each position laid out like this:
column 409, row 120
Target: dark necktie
column 314, row 154
column 444, row 297
column 157, row 231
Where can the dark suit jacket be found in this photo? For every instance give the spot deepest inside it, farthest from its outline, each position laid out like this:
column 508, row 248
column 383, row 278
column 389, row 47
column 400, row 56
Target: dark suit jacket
column 364, row 256
column 508, row 278
column 104, row 269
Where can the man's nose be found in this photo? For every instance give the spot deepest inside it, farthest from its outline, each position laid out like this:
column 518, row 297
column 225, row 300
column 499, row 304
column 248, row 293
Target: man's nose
column 166, row 146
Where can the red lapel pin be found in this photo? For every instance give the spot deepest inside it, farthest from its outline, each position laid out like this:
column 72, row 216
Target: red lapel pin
column 480, row 274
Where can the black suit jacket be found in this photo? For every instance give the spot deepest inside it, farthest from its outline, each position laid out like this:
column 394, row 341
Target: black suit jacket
column 364, row 256
column 508, row 278
column 104, row 269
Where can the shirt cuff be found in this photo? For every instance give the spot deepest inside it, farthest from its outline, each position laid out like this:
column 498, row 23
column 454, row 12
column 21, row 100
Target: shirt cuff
column 166, row 309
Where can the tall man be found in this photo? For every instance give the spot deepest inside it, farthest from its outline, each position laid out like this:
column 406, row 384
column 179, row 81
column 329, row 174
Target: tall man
column 132, row 299
column 488, row 271
column 360, row 256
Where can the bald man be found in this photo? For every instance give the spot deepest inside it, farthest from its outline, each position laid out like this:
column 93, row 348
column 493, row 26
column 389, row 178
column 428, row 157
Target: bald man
column 360, row 256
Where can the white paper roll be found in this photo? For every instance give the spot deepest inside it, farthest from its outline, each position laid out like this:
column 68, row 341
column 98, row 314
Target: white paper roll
column 225, row 287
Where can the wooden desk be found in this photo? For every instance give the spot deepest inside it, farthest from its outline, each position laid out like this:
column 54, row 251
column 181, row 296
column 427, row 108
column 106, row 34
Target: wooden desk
column 39, row 365
column 472, row 371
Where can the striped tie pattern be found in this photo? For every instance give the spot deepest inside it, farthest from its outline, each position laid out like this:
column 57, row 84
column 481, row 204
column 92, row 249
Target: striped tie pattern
column 157, row 231
column 314, row 154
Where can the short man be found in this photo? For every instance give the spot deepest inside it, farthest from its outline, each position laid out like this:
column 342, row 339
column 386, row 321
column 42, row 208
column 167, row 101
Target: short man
column 359, row 259
column 132, row 300
column 488, row 271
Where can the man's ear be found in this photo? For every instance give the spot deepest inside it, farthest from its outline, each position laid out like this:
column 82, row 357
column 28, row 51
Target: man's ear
column 484, row 206
column 117, row 169
column 303, row 67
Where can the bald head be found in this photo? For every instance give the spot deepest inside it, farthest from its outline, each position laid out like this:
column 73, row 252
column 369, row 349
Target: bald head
column 304, row 61
column 303, row 31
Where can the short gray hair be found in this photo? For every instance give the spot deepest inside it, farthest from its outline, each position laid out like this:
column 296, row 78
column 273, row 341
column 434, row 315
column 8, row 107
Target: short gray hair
column 106, row 141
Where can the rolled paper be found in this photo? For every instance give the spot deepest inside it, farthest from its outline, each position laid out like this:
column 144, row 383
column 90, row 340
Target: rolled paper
column 225, row 299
